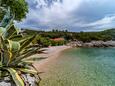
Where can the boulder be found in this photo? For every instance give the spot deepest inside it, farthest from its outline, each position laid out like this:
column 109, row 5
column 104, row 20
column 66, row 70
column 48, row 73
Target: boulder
column 92, row 44
column 29, row 81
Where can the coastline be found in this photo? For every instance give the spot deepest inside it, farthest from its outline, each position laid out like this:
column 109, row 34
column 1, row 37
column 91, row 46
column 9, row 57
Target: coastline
column 92, row 43
column 50, row 54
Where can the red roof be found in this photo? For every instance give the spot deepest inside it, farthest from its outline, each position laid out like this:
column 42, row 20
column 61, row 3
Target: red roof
column 58, row 39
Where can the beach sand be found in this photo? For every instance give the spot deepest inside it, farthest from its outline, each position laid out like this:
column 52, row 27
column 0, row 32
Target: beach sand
column 51, row 53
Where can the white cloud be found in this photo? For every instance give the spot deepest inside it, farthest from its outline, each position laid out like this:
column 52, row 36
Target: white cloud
column 104, row 21
column 65, row 14
column 57, row 14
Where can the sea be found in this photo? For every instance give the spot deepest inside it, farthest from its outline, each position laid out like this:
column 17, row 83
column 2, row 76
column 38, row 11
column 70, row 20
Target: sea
column 81, row 67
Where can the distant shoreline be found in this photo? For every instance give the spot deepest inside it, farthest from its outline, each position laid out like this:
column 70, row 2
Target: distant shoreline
column 98, row 44
column 51, row 53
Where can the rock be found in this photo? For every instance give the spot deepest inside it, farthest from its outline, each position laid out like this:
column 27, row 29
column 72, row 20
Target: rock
column 6, row 82
column 29, row 81
column 87, row 45
column 92, row 44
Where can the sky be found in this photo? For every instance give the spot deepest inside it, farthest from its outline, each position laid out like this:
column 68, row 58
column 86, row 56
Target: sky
column 73, row 15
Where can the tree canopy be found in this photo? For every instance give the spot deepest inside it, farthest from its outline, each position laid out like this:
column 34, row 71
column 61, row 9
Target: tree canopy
column 19, row 8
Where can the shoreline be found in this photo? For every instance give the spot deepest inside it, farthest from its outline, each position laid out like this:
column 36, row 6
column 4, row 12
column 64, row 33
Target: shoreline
column 51, row 53
column 92, row 43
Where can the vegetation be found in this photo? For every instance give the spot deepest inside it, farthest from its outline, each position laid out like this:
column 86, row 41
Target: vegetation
column 14, row 50
column 14, row 47
column 71, row 36
column 44, row 39
column 18, row 8
column 89, row 36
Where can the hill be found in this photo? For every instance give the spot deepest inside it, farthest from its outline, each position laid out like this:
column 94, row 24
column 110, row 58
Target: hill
column 71, row 36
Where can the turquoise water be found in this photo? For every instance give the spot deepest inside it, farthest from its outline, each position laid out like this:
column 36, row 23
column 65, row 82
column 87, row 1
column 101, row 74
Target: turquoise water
column 82, row 67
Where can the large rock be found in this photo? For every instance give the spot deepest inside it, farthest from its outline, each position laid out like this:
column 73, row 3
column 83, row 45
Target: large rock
column 93, row 44
column 6, row 82
column 29, row 81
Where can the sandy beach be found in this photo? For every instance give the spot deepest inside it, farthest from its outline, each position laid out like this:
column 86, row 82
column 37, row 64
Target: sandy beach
column 50, row 54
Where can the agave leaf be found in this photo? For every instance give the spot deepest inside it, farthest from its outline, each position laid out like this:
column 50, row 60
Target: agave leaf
column 27, row 42
column 3, row 8
column 0, row 74
column 1, row 49
column 23, row 40
column 2, row 30
column 29, row 53
column 14, row 46
column 32, row 59
column 13, row 49
column 0, row 64
column 10, row 23
column 16, row 77
column 1, row 58
column 41, row 51
column 28, row 62
column 11, row 31
column 8, row 18
column 16, row 37
column 5, row 53
column 28, row 50
column 30, row 71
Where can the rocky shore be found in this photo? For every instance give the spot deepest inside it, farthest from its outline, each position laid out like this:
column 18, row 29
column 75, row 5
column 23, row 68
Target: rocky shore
column 92, row 44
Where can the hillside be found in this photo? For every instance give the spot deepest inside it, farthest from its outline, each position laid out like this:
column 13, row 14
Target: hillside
column 81, row 36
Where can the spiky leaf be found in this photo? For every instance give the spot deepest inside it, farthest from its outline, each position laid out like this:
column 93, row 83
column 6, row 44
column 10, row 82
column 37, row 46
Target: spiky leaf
column 5, row 53
column 2, row 30
column 14, row 46
column 16, row 37
column 16, row 77
column 11, row 31
column 30, row 71
column 23, row 56
column 26, row 42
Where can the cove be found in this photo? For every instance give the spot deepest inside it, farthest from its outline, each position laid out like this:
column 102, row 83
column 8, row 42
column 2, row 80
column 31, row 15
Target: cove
column 81, row 67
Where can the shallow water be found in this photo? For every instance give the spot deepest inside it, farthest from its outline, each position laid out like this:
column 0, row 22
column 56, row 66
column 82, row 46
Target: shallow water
column 82, row 67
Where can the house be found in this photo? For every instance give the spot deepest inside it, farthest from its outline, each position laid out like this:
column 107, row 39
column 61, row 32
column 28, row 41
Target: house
column 58, row 39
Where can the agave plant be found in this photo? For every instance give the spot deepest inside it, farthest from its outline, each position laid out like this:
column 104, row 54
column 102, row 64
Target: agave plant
column 14, row 49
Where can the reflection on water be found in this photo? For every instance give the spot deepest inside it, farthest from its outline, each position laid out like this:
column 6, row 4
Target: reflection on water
column 82, row 67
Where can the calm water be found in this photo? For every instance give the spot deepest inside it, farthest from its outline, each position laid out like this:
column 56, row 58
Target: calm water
column 82, row 67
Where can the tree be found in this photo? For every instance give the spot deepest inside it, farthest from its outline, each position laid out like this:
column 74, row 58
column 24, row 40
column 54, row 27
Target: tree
column 18, row 8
